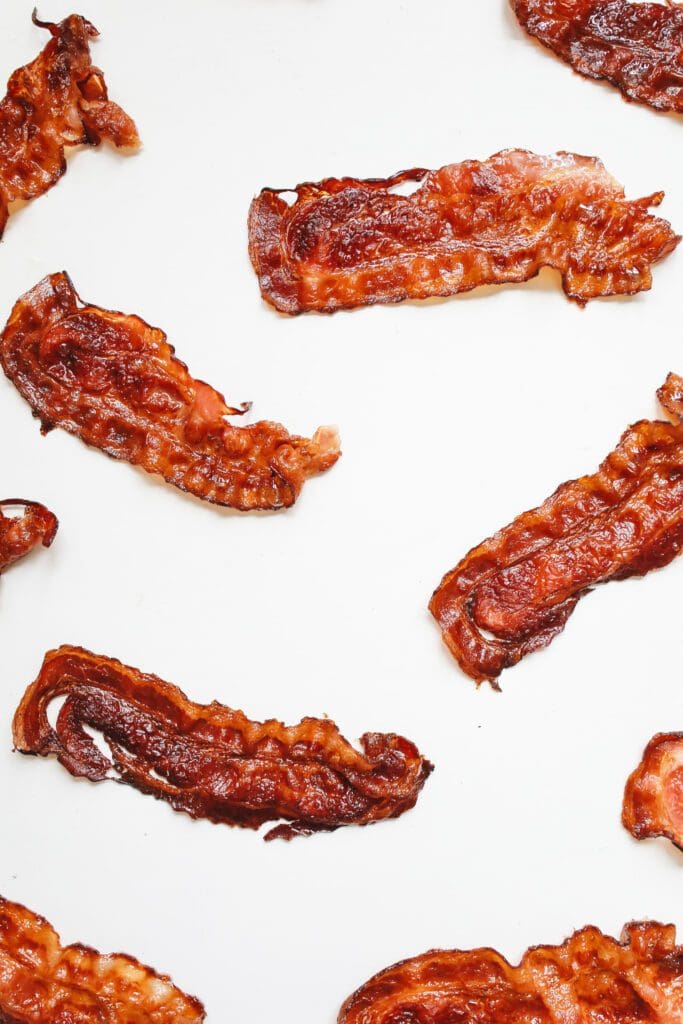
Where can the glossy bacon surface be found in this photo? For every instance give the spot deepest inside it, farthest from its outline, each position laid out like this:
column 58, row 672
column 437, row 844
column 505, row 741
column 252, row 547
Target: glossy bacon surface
column 20, row 534
column 347, row 242
column 208, row 760
column 590, row 979
column 514, row 593
column 114, row 381
column 43, row 982
column 653, row 800
column 58, row 100
column 635, row 46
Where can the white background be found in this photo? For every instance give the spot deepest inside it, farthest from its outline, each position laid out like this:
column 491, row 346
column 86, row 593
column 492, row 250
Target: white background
column 455, row 416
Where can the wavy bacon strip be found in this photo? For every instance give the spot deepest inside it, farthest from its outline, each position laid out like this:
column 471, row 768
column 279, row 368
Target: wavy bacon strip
column 20, row 534
column 209, row 761
column 635, row 46
column 114, row 381
column 43, row 982
column 346, row 242
column 514, row 593
column 589, row 979
column 653, row 800
column 58, row 100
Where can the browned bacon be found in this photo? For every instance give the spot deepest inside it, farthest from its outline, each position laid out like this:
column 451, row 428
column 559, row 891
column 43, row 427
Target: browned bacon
column 347, row 242
column 58, row 100
column 514, row 593
column 209, row 761
column 653, row 800
column 20, row 533
column 114, row 381
column 590, row 979
column 43, row 982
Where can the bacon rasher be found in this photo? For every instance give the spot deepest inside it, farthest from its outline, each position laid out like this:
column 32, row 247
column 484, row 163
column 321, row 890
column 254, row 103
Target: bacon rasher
column 43, row 982
column 58, row 100
column 514, row 593
column 23, row 526
column 114, row 381
column 208, row 760
column 653, row 800
column 589, row 979
column 348, row 242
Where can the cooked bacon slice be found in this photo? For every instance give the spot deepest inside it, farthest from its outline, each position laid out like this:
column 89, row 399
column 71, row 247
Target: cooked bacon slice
column 58, row 100
column 208, row 760
column 653, row 800
column 589, row 979
column 635, row 46
column 114, row 381
column 514, row 593
column 43, row 982
column 346, row 242
column 20, row 534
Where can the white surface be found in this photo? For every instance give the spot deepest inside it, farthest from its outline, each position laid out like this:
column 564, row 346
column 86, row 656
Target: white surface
column 454, row 415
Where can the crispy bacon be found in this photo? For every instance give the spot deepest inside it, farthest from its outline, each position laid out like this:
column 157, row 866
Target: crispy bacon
column 635, row 46
column 209, row 761
column 113, row 381
column 347, row 242
column 20, row 534
column 653, row 800
column 58, row 100
column 43, row 982
column 514, row 593
column 590, row 978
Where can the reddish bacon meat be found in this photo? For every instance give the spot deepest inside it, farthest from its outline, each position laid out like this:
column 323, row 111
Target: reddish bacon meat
column 346, row 242
column 653, row 801
column 208, row 760
column 58, row 100
column 21, row 533
column 113, row 380
column 635, row 46
column 590, row 979
column 514, row 593
column 43, row 982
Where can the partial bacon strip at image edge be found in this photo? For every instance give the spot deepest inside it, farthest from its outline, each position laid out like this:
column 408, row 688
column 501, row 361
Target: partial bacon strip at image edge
column 21, row 533
column 653, row 797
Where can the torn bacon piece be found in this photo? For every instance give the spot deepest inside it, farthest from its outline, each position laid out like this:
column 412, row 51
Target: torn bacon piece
column 114, row 381
column 58, row 100
column 635, row 46
column 208, row 760
column 590, row 978
column 514, row 593
column 43, row 982
column 347, row 242
column 20, row 534
column 653, row 800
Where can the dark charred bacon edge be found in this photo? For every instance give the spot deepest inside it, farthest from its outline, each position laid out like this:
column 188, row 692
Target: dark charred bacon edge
column 41, row 524
column 642, row 813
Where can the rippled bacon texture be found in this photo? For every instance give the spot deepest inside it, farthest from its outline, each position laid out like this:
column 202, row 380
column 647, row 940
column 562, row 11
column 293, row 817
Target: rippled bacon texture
column 58, row 100
column 514, row 593
column 43, row 982
column 23, row 526
column 590, row 979
column 653, row 801
column 208, row 760
column 346, row 242
column 114, row 381
column 635, row 46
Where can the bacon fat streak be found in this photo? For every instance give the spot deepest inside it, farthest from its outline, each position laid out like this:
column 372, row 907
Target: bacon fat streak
column 635, row 46
column 208, row 760
column 653, row 800
column 348, row 242
column 114, row 381
column 58, row 100
column 20, row 534
column 43, row 982
column 514, row 593
column 591, row 978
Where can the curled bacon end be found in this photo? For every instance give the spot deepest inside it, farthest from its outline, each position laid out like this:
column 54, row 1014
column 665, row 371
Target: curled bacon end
column 114, row 381
column 635, row 46
column 653, row 800
column 43, row 982
column 590, row 977
column 348, row 242
column 209, row 761
column 20, row 534
column 513, row 594
column 58, row 100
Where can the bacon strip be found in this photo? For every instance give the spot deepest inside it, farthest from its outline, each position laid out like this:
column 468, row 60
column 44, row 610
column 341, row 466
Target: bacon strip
column 20, row 534
column 209, row 761
column 591, row 978
column 635, row 46
column 43, row 982
column 346, row 242
column 522, row 584
column 653, row 800
column 113, row 381
column 58, row 100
